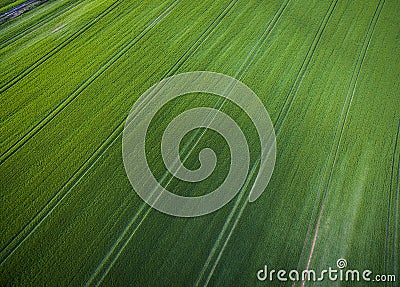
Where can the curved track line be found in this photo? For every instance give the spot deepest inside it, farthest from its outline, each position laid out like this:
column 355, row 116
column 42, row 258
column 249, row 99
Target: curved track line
column 49, row 207
column 59, row 47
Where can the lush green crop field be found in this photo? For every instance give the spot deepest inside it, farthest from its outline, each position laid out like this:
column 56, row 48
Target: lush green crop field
column 5, row 5
column 327, row 72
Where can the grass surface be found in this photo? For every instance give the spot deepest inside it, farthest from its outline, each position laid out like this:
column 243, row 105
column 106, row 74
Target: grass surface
column 6, row 5
column 327, row 72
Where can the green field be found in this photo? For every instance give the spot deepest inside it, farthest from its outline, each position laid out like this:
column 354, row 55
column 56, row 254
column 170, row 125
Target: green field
column 327, row 72
column 5, row 5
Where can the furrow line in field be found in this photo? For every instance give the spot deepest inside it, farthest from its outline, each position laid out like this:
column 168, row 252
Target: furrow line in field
column 125, row 237
column 68, row 100
column 303, row 68
column 50, row 206
column 239, row 202
column 4, row 254
column 241, row 198
column 106, row 230
column 59, row 47
column 317, row 205
column 313, row 218
column 133, row 224
column 327, row 177
column 226, row 241
column 203, row 37
column 140, row 104
column 91, row 161
column 108, row 262
column 238, row 75
column 243, row 67
column 293, row 91
column 261, row 41
column 38, row 24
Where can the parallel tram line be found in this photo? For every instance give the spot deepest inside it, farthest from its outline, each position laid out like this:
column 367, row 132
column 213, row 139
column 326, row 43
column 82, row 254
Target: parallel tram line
column 46, row 19
column 313, row 217
column 59, row 47
column 278, row 123
column 114, row 253
column 112, row 256
column 82, row 170
column 304, row 66
column 108, row 261
column 326, row 179
column 68, row 100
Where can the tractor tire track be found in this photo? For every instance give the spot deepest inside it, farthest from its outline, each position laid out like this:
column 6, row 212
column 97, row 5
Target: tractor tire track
column 38, row 24
column 195, row 139
column 278, row 123
column 68, row 100
column 317, row 205
column 36, row 221
column 303, row 68
column 240, row 202
column 135, row 224
column 123, row 240
column 59, row 47
column 4, row 254
column 326, row 179
column 188, row 53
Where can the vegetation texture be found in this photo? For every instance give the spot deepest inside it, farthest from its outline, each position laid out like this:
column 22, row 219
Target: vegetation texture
column 327, row 72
